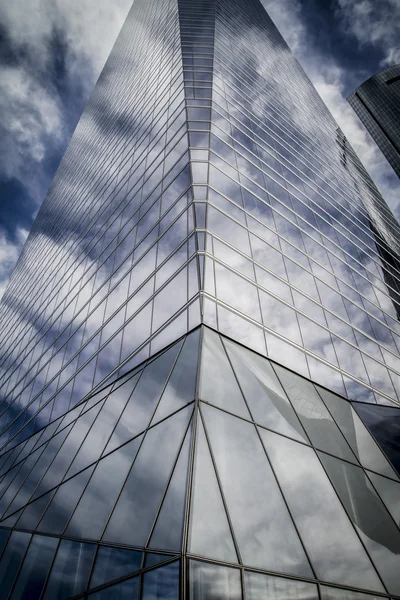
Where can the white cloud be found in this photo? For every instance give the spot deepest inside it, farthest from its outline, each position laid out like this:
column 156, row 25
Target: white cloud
column 366, row 23
column 9, row 252
column 373, row 22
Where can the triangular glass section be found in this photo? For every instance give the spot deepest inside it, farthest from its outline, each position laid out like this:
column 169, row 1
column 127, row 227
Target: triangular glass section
column 265, row 397
column 136, row 508
column 217, row 380
column 169, row 525
column 210, row 534
column 139, row 410
column 97, row 501
column 33, row 512
column 384, row 424
column 181, row 386
column 63, row 503
column 98, row 436
column 357, row 435
column 154, row 559
column 313, row 414
column 255, row 503
column 113, row 563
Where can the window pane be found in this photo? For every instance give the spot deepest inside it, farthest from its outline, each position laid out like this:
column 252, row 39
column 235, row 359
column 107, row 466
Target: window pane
column 34, row 571
column 334, row 548
column 70, row 570
column 162, row 583
column 208, row 582
column 113, row 563
column 11, row 559
column 262, row 587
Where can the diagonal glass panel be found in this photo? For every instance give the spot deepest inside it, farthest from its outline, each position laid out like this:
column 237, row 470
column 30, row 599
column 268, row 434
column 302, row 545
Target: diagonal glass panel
column 125, row 590
column 334, row 547
column 354, row 430
column 217, row 381
column 141, row 404
column 33, row 512
column 376, row 528
column 209, row 533
column 261, row 522
column 181, row 386
column 60, row 464
column 93, row 446
column 12, row 559
column 208, row 582
column 168, row 529
column 36, row 565
column 63, row 503
column 260, row 587
column 384, row 424
column 161, row 583
column 265, row 397
column 153, row 559
column 316, row 419
column 102, row 491
column 70, row 571
column 135, row 510
column 113, row 563
column 389, row 491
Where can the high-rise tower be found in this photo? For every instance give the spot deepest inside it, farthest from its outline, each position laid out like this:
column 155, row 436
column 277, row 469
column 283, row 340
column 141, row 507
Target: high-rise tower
column 377, row 103
column 200, row 341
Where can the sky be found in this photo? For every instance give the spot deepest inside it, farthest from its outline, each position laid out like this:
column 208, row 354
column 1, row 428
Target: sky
column 52, row 52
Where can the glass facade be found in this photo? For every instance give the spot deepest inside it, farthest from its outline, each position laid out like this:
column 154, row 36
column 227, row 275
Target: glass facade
column 377, row 103
column 200, row 374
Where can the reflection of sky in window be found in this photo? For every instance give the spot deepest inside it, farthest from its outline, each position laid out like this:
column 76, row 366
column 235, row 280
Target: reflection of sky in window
column 293, row 265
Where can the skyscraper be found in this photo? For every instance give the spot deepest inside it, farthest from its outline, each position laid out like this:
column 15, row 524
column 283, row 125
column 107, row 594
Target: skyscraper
column 377, row 103
column 200, row 341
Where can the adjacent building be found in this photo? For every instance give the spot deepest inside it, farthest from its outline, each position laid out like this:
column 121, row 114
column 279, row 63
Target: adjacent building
column 377, row 103
column 200, row 374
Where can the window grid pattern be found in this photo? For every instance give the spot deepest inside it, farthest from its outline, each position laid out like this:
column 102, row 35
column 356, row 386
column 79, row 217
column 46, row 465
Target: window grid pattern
column 265, row 482
column 220, row 195
column 376, row 103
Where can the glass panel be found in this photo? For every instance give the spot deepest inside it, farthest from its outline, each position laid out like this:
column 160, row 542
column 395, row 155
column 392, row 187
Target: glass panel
column 143, row 401
column 262, row 525
column 113, row 563
column 264, row 394
column 210, row 534
column 135, row 510
column 33, row 512
column 217, row 381
column 169, row 526
column 313, row 414
column 384, row 424
column 34, row 571
column 100, row 495
column 70, row 570
column 389, row 491
column 161, row 583
column 95, row 441
column 208, row 582
column 376, row 528
column 334, row 548
column 4, row 535
column 182, row 384
column 328, row 593
column 126, row 590
column 63, row 504
column 153, row 559
column 11, row 560
column 261, row 587
column 355, row 432
column 67, row 452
